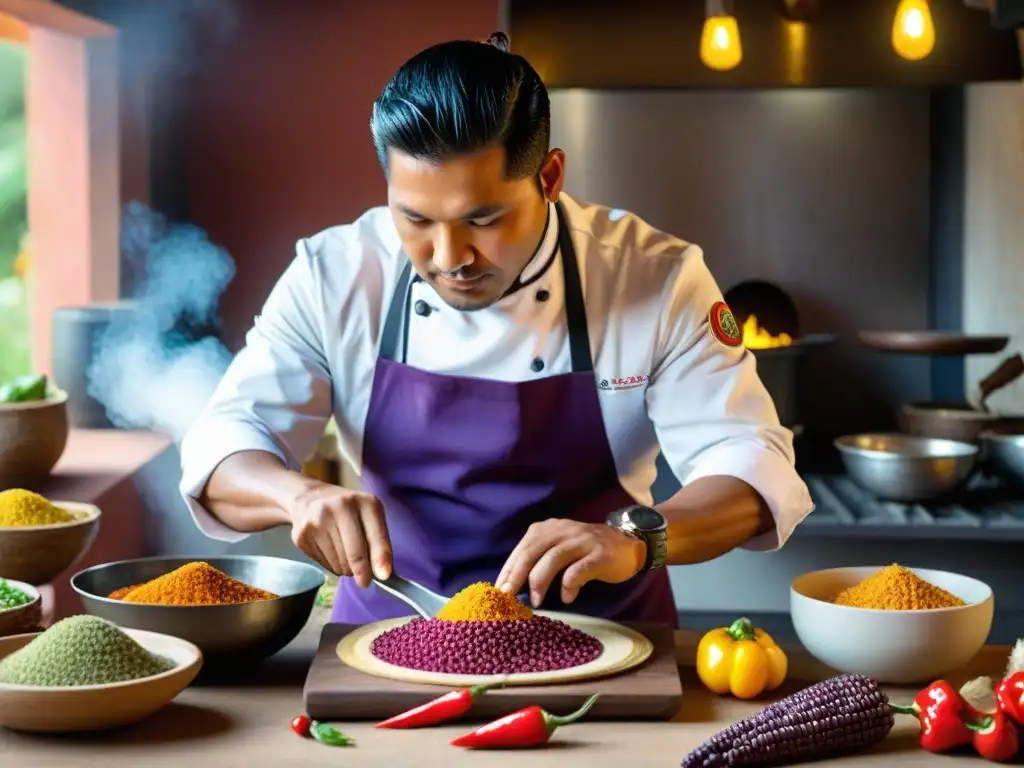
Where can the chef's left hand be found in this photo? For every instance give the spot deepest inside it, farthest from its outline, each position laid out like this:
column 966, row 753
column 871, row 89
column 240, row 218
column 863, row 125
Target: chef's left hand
column 586, row 551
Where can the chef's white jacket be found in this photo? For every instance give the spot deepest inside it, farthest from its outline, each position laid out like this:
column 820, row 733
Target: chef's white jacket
column 663, row 379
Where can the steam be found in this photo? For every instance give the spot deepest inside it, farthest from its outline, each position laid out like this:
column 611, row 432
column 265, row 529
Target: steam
column 147, row 370
column 173, row 33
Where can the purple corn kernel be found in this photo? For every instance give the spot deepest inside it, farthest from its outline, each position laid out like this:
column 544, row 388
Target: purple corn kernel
column 539, row 644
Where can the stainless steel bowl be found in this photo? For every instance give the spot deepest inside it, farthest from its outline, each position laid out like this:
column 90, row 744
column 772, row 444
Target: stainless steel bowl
column 907, row 468
column 1006, row 452
column 245, row 632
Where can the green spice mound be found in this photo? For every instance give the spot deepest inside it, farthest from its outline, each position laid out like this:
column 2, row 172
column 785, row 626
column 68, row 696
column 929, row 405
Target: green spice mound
column 11, row 596
column 81, row 650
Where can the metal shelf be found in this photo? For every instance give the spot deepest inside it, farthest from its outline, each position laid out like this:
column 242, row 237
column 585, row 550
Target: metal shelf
column 986, row 510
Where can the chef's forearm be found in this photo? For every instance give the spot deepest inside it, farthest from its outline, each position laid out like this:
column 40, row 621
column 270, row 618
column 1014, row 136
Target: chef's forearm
column 250, row 491
column 712, row 516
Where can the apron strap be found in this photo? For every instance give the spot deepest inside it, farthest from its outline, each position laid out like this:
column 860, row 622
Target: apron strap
column 395, row 335
column 575, row 308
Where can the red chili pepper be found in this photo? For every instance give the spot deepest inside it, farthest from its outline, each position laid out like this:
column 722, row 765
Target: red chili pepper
column 942, row 711
column 996, row 738
column 1010, row 696
column 300, row 724
column 446, row 707
column 529, row 727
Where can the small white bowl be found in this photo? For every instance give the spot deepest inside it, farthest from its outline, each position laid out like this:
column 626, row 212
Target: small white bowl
column 891, row 646
column 21, row 618
column 97, row 707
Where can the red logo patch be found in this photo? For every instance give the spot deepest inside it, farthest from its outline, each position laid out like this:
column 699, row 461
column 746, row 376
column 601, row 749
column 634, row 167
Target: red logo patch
column 723, row 325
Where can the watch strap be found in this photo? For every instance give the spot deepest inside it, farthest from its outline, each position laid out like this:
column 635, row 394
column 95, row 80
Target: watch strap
column 655, row 541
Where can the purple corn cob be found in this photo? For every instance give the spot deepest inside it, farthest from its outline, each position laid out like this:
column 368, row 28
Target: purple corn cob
column 840, row 715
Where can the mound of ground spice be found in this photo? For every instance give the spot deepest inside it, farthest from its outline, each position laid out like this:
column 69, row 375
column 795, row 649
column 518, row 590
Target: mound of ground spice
column 192, row 584
column 118, row 594
column 483, row 602
column 895, row 588
column 486, row 647
column 81, row 650
column 19, row 507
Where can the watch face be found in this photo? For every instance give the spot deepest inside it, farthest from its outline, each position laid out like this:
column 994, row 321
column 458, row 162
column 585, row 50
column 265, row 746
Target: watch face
column 642, row 518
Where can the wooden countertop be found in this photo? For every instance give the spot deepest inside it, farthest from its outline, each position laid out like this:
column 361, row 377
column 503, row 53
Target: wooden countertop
column 246, row 724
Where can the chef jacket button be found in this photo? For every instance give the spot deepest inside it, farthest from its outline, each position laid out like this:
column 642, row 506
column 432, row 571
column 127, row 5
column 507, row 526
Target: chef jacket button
column 422, row 308
column 543, row 295
column 537, row 365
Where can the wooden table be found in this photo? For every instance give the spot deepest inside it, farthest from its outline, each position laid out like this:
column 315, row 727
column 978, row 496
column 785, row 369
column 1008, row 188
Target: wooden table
column 247, row 725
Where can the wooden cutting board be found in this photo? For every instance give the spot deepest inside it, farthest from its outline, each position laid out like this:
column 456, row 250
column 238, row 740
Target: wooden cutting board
column 652, row 691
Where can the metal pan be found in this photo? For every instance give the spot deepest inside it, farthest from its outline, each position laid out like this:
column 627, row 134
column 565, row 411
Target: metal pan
column 1005, row 450
column 936, row 343
column 965, row 421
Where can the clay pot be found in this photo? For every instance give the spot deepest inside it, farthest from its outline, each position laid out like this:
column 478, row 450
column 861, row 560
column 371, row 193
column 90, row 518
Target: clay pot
column 33, row 437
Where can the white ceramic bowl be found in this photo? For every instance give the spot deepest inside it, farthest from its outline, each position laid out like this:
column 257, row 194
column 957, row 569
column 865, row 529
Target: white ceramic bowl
column 38, row 554
column 97, row 707
column 892, row 646
column 21, row 618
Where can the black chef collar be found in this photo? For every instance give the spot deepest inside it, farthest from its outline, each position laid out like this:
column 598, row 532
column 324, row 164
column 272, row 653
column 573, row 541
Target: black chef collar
column 543, row 256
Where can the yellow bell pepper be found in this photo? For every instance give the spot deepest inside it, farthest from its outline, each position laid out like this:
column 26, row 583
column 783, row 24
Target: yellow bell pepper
column 740, row 659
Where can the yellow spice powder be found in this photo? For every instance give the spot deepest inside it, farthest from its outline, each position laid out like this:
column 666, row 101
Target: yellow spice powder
column 484, row 602
column 895, row 588
column 19, row 507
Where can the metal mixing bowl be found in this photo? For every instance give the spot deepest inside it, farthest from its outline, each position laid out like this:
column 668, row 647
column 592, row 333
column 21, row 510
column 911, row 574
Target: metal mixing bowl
column 1006, row 452
column 242, row 632
column 906, row 468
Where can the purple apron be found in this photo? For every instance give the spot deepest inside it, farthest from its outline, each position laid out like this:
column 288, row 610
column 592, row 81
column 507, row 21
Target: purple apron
column 464, row 465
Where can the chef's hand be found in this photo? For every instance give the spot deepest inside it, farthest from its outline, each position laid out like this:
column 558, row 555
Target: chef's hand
column 587, row 552
column 342, row 530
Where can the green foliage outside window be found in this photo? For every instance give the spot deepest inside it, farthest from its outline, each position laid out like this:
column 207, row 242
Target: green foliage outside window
column 15, row 358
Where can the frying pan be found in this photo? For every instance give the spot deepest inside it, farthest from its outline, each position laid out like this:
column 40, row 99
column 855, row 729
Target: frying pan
column 935, row 343
column 963, row 421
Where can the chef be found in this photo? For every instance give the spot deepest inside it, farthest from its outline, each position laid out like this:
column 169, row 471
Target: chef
column 504, row 363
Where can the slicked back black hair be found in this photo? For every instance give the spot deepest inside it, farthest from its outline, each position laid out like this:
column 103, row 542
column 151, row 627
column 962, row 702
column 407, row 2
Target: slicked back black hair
column 459, row 97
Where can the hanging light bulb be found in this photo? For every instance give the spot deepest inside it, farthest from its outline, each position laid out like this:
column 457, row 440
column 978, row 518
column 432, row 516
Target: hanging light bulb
column 720, row 47
column 913, row 33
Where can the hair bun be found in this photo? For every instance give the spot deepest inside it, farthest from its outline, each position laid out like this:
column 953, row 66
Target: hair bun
column 499, row 40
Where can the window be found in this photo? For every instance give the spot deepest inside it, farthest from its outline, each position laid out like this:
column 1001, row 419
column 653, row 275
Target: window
column 15, row 341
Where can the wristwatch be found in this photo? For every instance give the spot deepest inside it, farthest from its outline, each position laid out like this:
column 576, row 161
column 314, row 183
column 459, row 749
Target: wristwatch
column 647, row 525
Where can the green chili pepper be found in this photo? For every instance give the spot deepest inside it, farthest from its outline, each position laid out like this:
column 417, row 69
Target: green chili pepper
column 23, row 389
column 329, row 735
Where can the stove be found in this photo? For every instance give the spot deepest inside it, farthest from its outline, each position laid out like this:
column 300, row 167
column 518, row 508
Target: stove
column 988, row 508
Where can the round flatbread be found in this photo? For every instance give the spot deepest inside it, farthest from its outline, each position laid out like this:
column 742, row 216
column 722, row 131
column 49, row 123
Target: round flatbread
column 623, row 649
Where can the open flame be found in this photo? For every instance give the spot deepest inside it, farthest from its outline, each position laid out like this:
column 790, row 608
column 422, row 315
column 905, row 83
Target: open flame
column 756, row 337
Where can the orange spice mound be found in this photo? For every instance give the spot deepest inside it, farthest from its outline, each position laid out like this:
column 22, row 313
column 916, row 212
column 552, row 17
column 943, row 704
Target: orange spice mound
column 118, row 594
column 484, row 602
column 192, row 584
column 895, row 588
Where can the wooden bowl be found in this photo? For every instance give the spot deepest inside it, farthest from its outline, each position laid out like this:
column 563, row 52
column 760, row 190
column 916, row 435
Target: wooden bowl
column 37, row 554
column 98, row 707
column 22, row 618
column 33, row 436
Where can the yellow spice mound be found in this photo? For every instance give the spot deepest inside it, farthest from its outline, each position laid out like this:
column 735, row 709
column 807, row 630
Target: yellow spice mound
column 19, row 507
column 895, row 588
column 484, row 602
column 194, row 584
